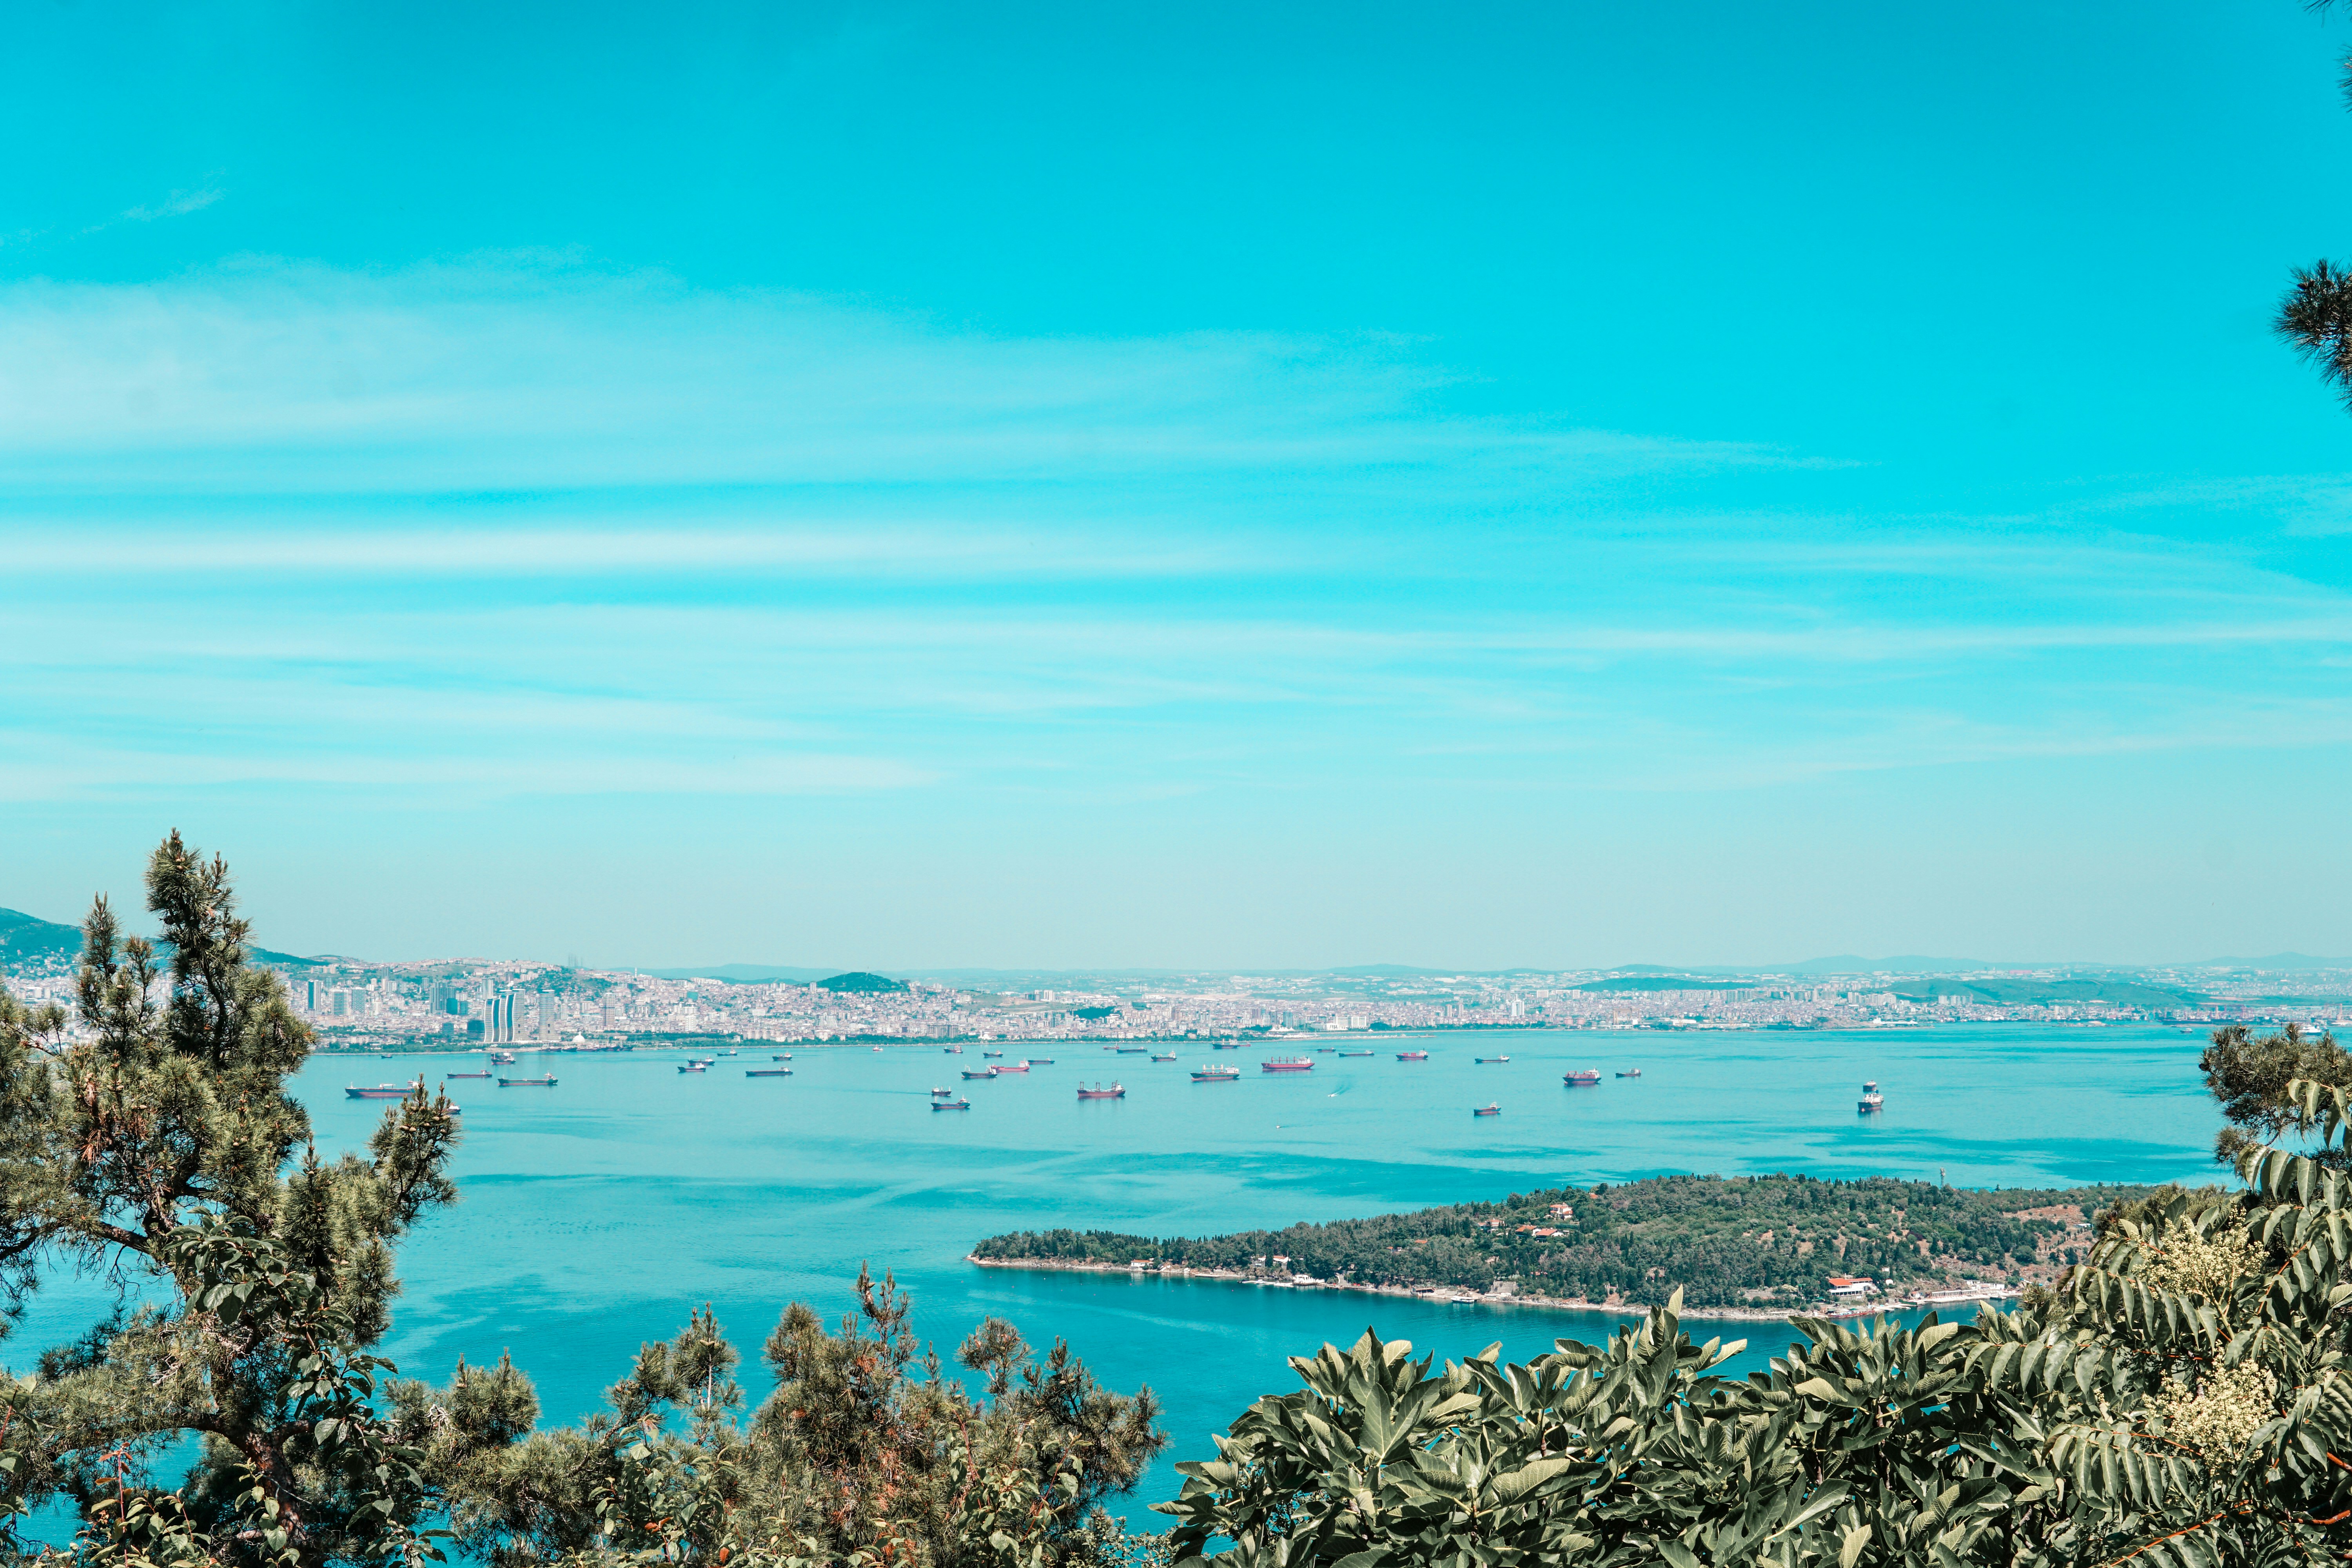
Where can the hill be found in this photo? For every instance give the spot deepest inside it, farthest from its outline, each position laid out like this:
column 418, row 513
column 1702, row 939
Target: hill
column 25, row 939
column 860, row 981
column 1737, row 1241
column 745, row 974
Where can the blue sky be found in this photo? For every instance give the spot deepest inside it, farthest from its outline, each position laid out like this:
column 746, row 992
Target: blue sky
column 907, row 486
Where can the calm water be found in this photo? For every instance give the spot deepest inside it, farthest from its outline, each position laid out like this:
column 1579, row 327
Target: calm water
column 596, row 1215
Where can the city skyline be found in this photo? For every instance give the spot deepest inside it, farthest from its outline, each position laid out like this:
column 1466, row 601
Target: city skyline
column 1106, row 490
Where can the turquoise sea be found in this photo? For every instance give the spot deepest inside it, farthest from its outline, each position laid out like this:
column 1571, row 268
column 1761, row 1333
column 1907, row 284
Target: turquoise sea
column 595, row 1215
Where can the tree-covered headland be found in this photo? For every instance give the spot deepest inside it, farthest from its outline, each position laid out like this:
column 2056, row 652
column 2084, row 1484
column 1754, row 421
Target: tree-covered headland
column 1739, row 1241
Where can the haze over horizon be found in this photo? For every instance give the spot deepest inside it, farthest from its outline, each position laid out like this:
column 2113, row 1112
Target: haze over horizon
column 1096, row 489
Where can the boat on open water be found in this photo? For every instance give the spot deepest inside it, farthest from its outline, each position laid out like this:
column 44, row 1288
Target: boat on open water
column 547, row 1081
column 1580, row 1078
column 1209, row 1074
column 1872, row 1100
column 1169, row 1058
column 1411, row 1055
column 1631, row 1072
column 1289, row 1064
column 1491, row 1061
column 767, row 1072
column 951, row 1105
column 483, row 1073
column 386, row 1090
column 1115, row 1091
column 1367, row 1051
column 1494, row 1108
column 982, row 1072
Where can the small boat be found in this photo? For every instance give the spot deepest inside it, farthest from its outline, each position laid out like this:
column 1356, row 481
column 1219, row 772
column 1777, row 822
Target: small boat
column 694, row 1066
column 1411, row 1055
column 767, row 1072
column 1216, row 1075
column 1490, row 1061
column 483, row 1073
column 548, row 1082
column 730, row 1051
column 951, row 1105
column 384, row 1091
column 1169, row 1058
column 992, row 1053
column 1871, row 1100
column 941, row 1093
column 952, row 1050
column 1014, row 1066
column 1493, row 1109
column 1581, row 1077
column 1631, row 1072
column 1367, row 1051
column 1099, row 1092
column 984, row 1072
column 786, row 1057
column 877, row 1050
column 1039, row 1062
column 1289, row 1064
column 502, row 1058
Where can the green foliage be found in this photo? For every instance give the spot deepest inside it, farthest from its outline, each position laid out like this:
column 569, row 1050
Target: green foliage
column 1720, row 1241
column 860, row 981
column 157, row 1144
column 867, row 1452
column 2182, row 1397
column 2250, row 1077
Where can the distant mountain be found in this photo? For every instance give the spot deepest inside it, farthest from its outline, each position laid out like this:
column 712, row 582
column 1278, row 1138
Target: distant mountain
column 2276, row 961
column 1386, row 970
column 27, row 938
column 23, row 938
column 744, row 973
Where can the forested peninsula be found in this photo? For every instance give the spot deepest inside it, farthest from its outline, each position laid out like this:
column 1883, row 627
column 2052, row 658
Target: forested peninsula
column 1749, row 1241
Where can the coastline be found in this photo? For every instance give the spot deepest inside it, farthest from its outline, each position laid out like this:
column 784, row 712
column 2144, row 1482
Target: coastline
column 1451, row 1294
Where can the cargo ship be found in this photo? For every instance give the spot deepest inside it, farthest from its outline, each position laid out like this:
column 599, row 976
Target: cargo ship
column 1490, row 1061
column 1412, row 1055
column 1216, row 1075
column 1115, row 1091
column 767, row 1072
column 1038, row 1062
column 1631, row 1072
column 548, row 1082
column 1871, row 1100
column 694, row 1066
column 952, row 1050
column 983, row 1072
column 1169, row 1058
column 384, row 1091
column 1014, row 1066
column 1131, row 1050
column 1367, row 1051
column 992, row 1053
column 1578, row 1077
column 483, row 1073
column 942, row 1093
column 1495, row 1110
column 1289, row 1064
column 502, row 1058
column 951, row 1105
column 786, row 1057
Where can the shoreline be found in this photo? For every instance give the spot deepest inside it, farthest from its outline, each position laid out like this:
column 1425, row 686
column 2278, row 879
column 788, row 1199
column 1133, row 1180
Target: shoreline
column 1445, row 1294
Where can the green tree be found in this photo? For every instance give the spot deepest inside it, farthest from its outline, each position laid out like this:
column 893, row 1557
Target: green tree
column 2251, row 1079
column 156, row 1143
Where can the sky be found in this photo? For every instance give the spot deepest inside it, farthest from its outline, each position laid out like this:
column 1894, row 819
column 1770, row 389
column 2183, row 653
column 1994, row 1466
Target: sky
column 903, row 486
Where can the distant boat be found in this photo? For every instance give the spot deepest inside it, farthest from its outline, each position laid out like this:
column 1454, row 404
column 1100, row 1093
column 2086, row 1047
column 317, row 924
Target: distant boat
column 952, row 1050
column 1490, row 1061
column 767, row 1072
column 1216, row 1075
column 1131, row 1050
column 1412, row 1055
column 1367, row 1051
column 1039, row 1062
column 1014, row 1066
column 951, row 1105
column 1224, row 1045
column 1871, row 1100
column 1169, row 1058
column 1493, row 1109
column 984, row 1072
column 503, row 1058
column 786, row 1057
column 941, row 1093
column 1631, row 1072
column 384, row 1091
column 992, row 1053
column 877, row 1050
column 483, row 1073
column 694, row 1066
column 1581, row 1077
column 1099, row 1092
column 526, row 1082
column 1289, row 1064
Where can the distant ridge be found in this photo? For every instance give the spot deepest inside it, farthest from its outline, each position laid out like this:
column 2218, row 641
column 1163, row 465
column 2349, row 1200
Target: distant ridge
column 2276, row 961
column 744, row 973
column 25, row 937
column 1379, row 970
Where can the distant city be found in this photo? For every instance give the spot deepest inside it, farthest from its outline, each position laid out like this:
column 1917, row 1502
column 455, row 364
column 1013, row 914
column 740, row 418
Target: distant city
column 358, row 1005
